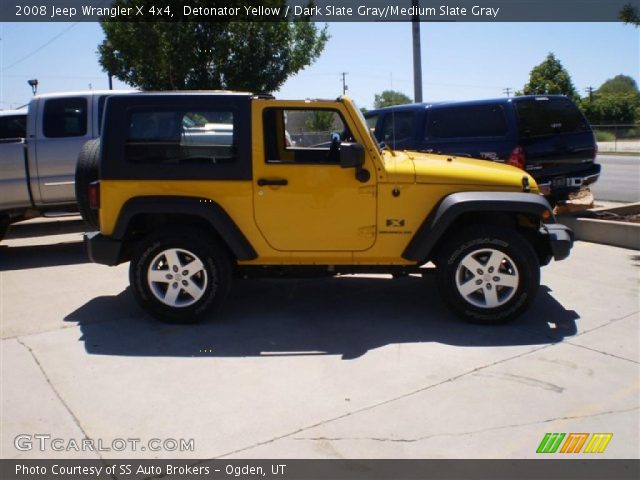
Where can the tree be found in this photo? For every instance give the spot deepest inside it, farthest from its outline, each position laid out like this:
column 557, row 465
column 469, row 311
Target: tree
column 320, row 121
column 389, row 98
column 630, row 14
column 617, row 101
column 249, row 56
column 550, row 77
column 619, row 85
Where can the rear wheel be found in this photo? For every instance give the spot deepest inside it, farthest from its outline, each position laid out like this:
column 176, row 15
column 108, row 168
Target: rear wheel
column 87, row 172
column 488, row 275
column 180, row 277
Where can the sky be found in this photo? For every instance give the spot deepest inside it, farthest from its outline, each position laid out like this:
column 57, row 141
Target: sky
column 460, row 61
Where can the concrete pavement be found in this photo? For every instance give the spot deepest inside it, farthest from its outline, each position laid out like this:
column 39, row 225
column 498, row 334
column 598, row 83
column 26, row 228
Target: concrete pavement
column 354, row 367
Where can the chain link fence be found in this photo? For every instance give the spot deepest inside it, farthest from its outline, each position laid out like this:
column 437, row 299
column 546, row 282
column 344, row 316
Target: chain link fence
column 617, row 138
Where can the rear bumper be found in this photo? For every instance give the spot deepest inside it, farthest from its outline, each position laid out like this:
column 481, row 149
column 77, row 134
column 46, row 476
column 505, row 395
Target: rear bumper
column 560, row 238
column 101, row 249
column 561, row 185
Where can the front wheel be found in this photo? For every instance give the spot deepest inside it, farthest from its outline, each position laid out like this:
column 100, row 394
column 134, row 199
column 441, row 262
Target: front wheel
column 180, row 277
column 488, row 275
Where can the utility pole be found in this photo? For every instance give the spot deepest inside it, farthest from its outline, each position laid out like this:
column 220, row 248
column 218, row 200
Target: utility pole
column 110, row 82
column 507, row 91
column 417, row 57
column 590, row 91
column 344, row 84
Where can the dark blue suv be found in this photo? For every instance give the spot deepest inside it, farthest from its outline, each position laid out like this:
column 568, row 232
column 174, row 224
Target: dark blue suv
column 545, row 135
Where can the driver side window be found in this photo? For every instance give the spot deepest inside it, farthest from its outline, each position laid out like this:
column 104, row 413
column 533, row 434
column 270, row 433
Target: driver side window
column 304, row 136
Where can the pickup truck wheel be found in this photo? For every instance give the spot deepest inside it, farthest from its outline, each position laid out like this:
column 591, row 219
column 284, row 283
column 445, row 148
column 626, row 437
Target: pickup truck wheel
column 87, row 172
column 488, row 275
column 180, row 277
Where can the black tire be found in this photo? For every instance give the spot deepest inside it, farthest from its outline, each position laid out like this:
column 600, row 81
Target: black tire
column 517, row 276
column 4, row 225
column 215, row 281
column 87, row 172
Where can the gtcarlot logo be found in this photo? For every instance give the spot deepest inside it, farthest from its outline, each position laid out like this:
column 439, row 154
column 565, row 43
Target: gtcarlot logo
column 48, row 443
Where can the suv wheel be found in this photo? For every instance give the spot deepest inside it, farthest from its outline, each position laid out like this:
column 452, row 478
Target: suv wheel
column 488, row 275
column 180, row 278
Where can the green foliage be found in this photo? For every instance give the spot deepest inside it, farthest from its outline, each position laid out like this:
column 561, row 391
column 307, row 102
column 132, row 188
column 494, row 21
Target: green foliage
column 550, row 77
column 389, row 98
column 620, row 84
column 256, row 57
column 320, row 121
column 617, row 101
column 630, row 14
column 603, row 136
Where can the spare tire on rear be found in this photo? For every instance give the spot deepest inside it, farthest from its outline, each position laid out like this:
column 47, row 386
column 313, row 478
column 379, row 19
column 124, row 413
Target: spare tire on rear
column 87, row 172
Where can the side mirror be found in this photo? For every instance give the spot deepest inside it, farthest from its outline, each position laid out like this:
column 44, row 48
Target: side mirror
column 351, row 155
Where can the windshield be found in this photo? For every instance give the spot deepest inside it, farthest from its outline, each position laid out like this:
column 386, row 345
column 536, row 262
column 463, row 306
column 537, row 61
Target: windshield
column 364, row 122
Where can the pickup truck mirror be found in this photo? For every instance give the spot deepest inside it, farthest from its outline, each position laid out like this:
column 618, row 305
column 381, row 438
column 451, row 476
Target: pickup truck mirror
column 351, row 155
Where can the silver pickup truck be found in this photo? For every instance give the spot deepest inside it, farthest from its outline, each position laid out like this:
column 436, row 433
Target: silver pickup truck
column 39, row 148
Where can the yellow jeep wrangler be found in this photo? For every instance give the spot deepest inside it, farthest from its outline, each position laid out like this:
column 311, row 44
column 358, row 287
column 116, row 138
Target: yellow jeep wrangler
column 196, row 188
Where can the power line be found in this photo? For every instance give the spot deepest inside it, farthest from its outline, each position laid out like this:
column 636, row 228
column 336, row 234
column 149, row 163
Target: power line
column 48, row 42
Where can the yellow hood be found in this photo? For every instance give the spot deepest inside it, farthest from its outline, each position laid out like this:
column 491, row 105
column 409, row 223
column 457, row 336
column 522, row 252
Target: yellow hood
column 415, row 167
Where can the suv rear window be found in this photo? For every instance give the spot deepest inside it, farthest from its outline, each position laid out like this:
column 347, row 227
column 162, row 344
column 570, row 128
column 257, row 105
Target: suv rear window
column 549, row 116
column 180, row 137
column 13, row 126
column 467, row 121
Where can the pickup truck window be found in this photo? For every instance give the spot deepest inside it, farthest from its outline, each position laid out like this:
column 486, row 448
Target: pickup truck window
column 180, row 137
column 467, row 122
column 65, row 117
column 303, row 136
column 13, row 126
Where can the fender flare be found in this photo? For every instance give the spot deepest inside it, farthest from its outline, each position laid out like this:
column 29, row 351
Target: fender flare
column 204, row 208
column 456, row 204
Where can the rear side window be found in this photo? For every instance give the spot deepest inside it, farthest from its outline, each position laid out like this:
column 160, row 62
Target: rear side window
column 13, row 126
column 549, row 116
column 467, row 121
column 397, row 126
column 65, row 117
column 202, row 137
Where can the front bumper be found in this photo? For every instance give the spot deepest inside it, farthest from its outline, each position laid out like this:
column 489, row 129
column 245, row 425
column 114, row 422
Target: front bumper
column 101, row 249
column 560, row 238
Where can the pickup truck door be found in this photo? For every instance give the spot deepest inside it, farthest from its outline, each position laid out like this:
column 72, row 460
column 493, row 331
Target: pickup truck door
column 62, row 126
column 303, row 199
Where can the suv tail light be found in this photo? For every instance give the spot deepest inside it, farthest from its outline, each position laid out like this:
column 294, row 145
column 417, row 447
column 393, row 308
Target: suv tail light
column 94, row 195
column 517, row 158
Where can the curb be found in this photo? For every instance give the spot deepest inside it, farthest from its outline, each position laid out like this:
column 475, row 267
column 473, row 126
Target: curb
column 607, row 232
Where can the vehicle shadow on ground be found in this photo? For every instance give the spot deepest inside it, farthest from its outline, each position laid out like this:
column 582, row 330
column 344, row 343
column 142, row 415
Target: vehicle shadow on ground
column 35, row 256
column 334, row 316
column 56, row 226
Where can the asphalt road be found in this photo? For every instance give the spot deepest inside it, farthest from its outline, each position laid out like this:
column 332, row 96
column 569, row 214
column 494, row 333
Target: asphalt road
column 351, row 367
column 619, row 180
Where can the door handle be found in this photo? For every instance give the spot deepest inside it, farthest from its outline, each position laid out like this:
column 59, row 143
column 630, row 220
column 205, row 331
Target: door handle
column 275, row 181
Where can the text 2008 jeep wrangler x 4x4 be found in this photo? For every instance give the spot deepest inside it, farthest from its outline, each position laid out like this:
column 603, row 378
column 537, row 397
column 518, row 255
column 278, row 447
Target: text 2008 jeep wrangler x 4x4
column 195, row 188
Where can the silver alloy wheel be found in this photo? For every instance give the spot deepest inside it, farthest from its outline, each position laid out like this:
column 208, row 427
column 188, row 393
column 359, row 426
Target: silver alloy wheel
column 487, row 278
column 177, row 277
